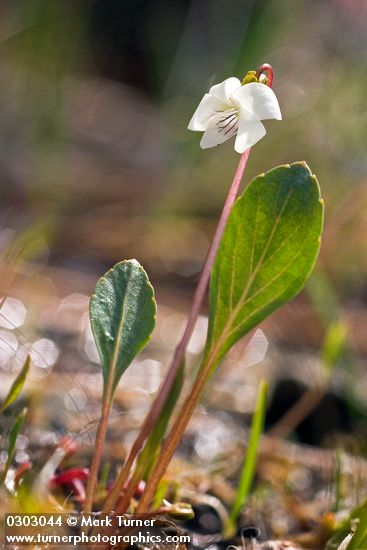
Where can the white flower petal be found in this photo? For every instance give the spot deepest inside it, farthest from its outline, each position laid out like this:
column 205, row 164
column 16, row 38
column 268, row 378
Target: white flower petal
column 250, row 131
column 222, row 127
column 259, row 100
column 207, row 108
column 225, row 89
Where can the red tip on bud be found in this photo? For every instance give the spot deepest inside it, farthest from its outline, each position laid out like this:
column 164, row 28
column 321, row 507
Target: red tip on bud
column 266, row 69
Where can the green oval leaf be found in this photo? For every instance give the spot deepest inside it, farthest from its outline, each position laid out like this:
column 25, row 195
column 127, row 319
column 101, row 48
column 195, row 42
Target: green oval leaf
column 122, row 314
column 268, row 250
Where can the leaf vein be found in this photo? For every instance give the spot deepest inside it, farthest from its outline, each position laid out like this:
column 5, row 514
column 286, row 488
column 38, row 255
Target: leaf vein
column 264, row 287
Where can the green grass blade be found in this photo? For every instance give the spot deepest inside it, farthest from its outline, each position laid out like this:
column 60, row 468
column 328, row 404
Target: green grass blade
column 16, row 386
column 249, row 465
column 13, row 435
column 359, row 540
column 334, row 344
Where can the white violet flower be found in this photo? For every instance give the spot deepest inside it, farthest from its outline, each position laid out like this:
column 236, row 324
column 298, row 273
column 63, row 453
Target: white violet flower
column 232, row 108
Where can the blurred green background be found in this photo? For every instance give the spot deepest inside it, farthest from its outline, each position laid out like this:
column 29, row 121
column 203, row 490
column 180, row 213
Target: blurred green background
column 95, row 97
column 96, row 163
